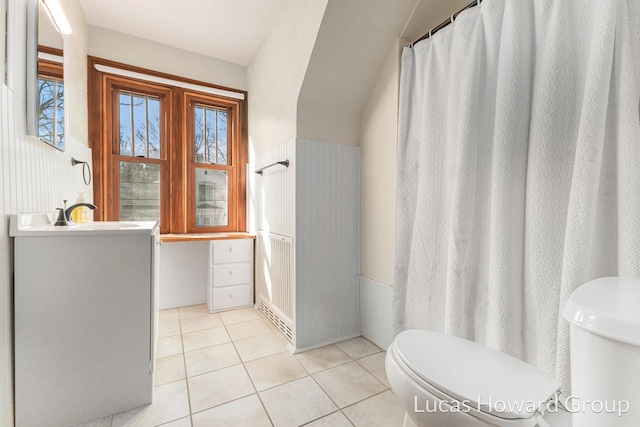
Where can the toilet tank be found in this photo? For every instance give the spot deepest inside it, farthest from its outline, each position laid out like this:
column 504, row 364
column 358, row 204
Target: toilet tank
column 604, row 317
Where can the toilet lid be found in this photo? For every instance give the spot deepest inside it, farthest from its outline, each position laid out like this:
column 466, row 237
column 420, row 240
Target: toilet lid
column 479, row 376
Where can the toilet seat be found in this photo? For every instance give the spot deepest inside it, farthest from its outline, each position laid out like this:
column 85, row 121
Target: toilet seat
column 487, row 380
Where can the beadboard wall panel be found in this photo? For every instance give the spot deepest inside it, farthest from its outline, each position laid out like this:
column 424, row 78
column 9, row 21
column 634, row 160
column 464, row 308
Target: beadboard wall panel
column 275, row 191
column 34, row 177
column 326, row 241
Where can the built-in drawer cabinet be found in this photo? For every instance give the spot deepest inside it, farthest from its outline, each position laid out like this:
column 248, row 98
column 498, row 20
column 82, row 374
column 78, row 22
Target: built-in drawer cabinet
column 230, row 274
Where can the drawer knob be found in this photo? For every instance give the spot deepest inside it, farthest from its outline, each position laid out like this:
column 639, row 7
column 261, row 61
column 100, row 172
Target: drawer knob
column 230, row 295
column 230, row 271
column 231, row 249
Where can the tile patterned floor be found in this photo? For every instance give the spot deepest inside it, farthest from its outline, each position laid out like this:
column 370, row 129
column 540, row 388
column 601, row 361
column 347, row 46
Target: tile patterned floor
column 233, row 369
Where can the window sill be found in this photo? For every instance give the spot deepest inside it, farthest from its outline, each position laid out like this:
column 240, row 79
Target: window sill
column 204, row 236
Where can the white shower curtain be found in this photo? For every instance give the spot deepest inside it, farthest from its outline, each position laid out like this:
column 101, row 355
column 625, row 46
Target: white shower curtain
column 518, row 170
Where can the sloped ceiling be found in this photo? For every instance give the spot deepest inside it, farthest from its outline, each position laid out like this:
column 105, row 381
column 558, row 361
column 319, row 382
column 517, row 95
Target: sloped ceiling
column 354, row 39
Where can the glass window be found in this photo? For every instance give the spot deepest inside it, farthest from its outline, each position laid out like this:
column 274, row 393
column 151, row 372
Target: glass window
column 139, row 191
column 212, row 189
column 51, row 111
column 210, row 135
column 139, row 125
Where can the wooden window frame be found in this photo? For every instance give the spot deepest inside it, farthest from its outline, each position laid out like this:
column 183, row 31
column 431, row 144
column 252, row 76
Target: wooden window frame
column 178, row 209
column 115, row 85
column 234, row 181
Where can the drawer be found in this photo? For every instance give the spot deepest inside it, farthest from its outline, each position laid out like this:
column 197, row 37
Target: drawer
column 232, row 297
column 228, row 251
column 232, row 274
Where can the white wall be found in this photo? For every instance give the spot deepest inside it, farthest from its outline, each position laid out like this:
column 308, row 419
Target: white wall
column 143, row 53
column 35, row 177
column 276, row 73
column 352, row 43
column 379, row 127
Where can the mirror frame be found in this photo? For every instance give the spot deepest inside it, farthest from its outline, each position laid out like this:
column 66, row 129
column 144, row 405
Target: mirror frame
column 32, row 68
column 4, row 23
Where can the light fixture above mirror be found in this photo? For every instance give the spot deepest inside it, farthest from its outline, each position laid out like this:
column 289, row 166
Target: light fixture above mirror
column 59, row 19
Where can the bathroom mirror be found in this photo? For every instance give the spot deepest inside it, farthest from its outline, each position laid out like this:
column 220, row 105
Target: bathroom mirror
column 4, row 17
column 45, row 82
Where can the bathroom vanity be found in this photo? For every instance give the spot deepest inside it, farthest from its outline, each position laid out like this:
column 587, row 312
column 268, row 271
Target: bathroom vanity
column 85, row 319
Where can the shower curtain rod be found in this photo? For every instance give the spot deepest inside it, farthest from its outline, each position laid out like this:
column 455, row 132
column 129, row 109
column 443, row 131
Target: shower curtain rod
column 447, row 22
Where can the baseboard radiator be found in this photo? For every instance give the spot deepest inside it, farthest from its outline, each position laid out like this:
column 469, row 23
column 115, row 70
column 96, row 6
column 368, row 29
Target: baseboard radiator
column 275, row 280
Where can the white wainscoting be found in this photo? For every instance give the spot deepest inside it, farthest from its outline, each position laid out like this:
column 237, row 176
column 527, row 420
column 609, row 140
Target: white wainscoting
column 375, row 312
column 316, row 202
column 34, row 177
column 275, row 191
column 326, row 241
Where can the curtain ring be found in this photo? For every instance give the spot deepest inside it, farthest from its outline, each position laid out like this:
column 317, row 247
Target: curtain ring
column 453, row 17
column 430, row 33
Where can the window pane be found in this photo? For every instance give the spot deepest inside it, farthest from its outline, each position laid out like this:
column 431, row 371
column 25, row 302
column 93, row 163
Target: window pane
column 139, row 191
column 125, row 124
column 60, row 115
column 199, row 134
column 222, row 138
column 211, row 135
column 46, row 110
column 154, row 128
column 211, row 198
column 140, row 126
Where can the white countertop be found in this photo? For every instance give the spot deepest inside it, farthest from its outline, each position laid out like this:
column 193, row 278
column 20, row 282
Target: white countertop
column 39, row 224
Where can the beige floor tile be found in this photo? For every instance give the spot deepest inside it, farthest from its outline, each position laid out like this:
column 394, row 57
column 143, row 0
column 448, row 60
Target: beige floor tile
column 169, row 346
column 380, row 410
column 182, row 422
column 193, row 310
column 375, row 365
column 218, row 387
column 210, row 359
column 322, row 358
column 337, row 419
column 237, row 316
column 296, row 403
column 168, row 328
column 244, row 330
column 274, row 370
column 257, row 347
column 358, row 347
column 284, row 340
column 205, row 338
column 169, row 369
column 271, row 325
column 102, row 422
column 348, row 383
column 200, row 322
column 170, row 314
column 170, row 402
column 247, row 411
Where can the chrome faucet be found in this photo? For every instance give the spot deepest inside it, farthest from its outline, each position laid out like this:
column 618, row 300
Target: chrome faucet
column 71, row 208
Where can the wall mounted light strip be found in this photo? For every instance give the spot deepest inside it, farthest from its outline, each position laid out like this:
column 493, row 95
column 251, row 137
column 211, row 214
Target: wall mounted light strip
column 57, row 15
column 161, row 80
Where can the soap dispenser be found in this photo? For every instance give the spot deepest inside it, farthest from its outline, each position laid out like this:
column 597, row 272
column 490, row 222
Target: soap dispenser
column 81, row 213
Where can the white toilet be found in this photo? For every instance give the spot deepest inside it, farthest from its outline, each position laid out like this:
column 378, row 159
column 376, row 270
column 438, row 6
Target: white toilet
column 604, row 315
column 442, row 380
